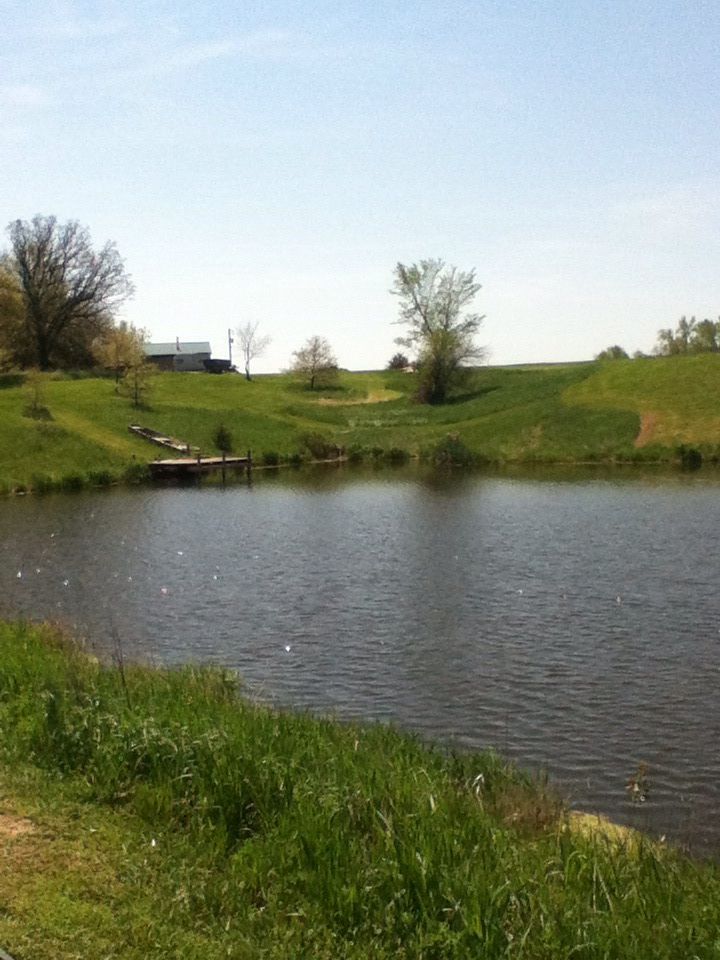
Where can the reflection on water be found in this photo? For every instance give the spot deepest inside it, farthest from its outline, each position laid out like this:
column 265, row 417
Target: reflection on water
column 570, row 620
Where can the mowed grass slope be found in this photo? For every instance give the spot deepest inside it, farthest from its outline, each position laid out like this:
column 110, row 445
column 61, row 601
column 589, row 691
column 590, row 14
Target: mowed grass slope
column 157, row 814
column 622, row 410
column 677, row 398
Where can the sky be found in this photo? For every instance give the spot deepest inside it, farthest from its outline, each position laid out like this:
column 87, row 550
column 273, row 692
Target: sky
column 272, row 161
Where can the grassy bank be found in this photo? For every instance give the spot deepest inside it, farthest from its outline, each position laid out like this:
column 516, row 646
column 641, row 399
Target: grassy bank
column 155, row 814
column 583, row 412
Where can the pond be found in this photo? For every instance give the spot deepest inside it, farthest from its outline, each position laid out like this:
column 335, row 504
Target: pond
column 568, row 620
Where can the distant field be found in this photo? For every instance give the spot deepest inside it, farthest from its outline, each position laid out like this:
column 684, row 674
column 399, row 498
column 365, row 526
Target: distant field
column 621, row 410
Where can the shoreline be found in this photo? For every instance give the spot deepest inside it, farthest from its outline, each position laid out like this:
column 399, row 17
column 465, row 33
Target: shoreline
column 157, row 811
column 78, row 482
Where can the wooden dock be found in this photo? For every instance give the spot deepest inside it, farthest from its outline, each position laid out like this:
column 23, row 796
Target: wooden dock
column 186, row 467
column 154, row 436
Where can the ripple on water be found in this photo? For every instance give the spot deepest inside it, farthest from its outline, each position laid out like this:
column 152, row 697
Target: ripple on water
column 571, row 625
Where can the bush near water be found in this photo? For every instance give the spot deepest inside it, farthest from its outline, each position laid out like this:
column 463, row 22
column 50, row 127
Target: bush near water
column 630, row 411
column 151, row 813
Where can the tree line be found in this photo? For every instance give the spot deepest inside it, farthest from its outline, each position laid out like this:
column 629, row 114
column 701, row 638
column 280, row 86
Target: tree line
column 60, row 296
column 689, row 337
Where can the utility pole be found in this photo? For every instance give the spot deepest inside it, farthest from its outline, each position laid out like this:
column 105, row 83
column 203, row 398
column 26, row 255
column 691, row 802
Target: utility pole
column 230, row 343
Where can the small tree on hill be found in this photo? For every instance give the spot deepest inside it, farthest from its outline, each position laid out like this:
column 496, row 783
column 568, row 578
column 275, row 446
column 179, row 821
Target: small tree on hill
column 223, row 439
column 136, row 381
column 35, row 384
column 252, row 344
column 316, row 363
column 398, row 361
column 119, row 348
column 612, row 353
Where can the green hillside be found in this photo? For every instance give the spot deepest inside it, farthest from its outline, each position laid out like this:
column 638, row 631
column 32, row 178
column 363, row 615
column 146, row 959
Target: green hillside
column 620, row 410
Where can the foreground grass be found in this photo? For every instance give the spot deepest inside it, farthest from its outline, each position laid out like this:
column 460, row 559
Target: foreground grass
column 624, row 410
column 155, row 814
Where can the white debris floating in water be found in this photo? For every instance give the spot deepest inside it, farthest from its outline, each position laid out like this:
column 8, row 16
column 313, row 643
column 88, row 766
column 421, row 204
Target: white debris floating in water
column 19, row 575
column 288, row 648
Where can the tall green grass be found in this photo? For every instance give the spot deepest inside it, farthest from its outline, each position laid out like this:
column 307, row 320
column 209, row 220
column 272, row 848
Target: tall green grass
column 583, row 412
column 282, row 835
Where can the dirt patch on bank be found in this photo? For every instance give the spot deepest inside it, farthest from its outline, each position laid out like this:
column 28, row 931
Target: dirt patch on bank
column 595, row 824
column 11, row 827
column 648, row 423
column 375, row 396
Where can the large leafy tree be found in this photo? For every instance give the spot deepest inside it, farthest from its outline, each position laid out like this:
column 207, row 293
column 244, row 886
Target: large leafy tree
column 11, row 315
column 68, row 293
column 441, row 332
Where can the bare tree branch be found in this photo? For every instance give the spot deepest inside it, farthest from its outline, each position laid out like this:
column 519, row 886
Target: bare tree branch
column 252, row 344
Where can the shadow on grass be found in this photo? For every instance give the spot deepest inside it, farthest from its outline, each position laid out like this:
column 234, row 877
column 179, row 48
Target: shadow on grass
column 474, row 394
column 9, row 380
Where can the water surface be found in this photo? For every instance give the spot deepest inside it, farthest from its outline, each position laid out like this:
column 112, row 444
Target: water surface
column 570, row 622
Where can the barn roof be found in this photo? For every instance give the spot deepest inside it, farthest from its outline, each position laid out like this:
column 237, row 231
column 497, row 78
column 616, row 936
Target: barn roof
column 174, row 348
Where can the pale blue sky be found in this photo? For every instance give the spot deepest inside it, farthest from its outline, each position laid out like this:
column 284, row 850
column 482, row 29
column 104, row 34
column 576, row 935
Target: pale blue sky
column 272, row 161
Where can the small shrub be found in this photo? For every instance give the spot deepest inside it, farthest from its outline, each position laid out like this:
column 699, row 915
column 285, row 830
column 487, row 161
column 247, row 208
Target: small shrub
column 397, row 455
column 690, row 457
column 223, row 439
column 356, row 454
column 271, row 458
column 377, row 453
column 72, row 482
column 295, row 459
column 136, row 473
column 42, row 483
column 100, row 478
column 451, row 451
column 319, row 446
